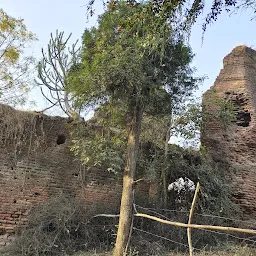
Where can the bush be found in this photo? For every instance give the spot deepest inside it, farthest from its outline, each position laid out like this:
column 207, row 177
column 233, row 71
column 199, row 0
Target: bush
column 215, row 198
column 62, row 226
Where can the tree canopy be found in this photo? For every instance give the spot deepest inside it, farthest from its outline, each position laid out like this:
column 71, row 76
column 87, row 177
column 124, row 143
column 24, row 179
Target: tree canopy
column 186, row 12
column 15, row 67
column 128, row 60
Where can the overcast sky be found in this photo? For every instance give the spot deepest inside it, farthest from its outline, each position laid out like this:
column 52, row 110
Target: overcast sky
column 44, row 16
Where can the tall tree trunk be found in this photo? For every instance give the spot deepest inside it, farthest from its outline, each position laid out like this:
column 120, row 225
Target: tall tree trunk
column 164, row 178
column 126, row 209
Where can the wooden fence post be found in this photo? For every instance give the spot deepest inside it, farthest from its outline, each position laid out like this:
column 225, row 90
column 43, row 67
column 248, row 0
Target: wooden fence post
column 190, row 219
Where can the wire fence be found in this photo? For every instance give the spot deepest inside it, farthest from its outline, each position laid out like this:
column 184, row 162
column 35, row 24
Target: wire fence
column 213, row 229
column 243, row 227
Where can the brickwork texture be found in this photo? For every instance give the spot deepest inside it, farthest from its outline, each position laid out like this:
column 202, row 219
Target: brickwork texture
column 234, row 147
column 36, row 163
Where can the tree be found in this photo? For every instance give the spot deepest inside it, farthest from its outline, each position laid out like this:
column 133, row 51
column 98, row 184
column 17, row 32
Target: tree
column 53, row 72
column 184, row 122
column 190, row 11
column 132, row 68
column 15, row 67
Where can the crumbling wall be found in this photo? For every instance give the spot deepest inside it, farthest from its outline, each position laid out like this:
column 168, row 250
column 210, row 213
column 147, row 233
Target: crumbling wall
column 36, row 163
column 234, row 147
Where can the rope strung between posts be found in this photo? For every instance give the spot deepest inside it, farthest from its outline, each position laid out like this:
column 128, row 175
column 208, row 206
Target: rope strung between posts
column 164, row 238
column 236, row 237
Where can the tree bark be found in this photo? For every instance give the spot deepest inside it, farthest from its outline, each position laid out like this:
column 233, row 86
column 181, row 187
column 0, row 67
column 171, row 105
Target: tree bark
column 164, row 178
column 126, row 209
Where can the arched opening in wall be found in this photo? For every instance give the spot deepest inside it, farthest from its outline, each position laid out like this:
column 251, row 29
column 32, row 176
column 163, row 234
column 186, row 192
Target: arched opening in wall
column 240, row 103
column 2, row 231
column 61, row 139
column 243, row 118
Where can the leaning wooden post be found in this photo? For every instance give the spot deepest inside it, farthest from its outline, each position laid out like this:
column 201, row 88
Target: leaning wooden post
column 190, row 219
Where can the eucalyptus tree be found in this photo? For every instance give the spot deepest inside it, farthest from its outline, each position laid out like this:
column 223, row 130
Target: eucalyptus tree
column 190, row 11
column 15, row 66
column 183, row 122
column 133, row 64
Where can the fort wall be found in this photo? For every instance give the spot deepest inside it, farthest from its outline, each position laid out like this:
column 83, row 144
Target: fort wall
column 36, row 164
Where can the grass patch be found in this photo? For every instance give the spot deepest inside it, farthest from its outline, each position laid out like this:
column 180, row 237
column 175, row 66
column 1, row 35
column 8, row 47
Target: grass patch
column 227, row 250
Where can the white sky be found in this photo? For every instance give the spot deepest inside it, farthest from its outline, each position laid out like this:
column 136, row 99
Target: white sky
column 44, row 16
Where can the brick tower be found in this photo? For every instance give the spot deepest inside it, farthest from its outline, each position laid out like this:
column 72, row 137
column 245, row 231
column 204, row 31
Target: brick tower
column 234, row 148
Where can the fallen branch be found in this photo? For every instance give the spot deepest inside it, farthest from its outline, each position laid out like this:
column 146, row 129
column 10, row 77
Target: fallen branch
column 183, row 225
column 136, row 181
column 106, row 215
column 179, row 224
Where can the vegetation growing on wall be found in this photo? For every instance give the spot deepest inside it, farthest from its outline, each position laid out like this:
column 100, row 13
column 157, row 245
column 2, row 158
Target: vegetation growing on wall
column 20, row 128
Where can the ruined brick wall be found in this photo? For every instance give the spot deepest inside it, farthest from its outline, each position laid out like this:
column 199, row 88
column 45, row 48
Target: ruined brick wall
column 35, row 164
column 234, row 147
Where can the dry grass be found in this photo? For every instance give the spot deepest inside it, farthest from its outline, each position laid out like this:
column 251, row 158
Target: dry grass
column 229, row 250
